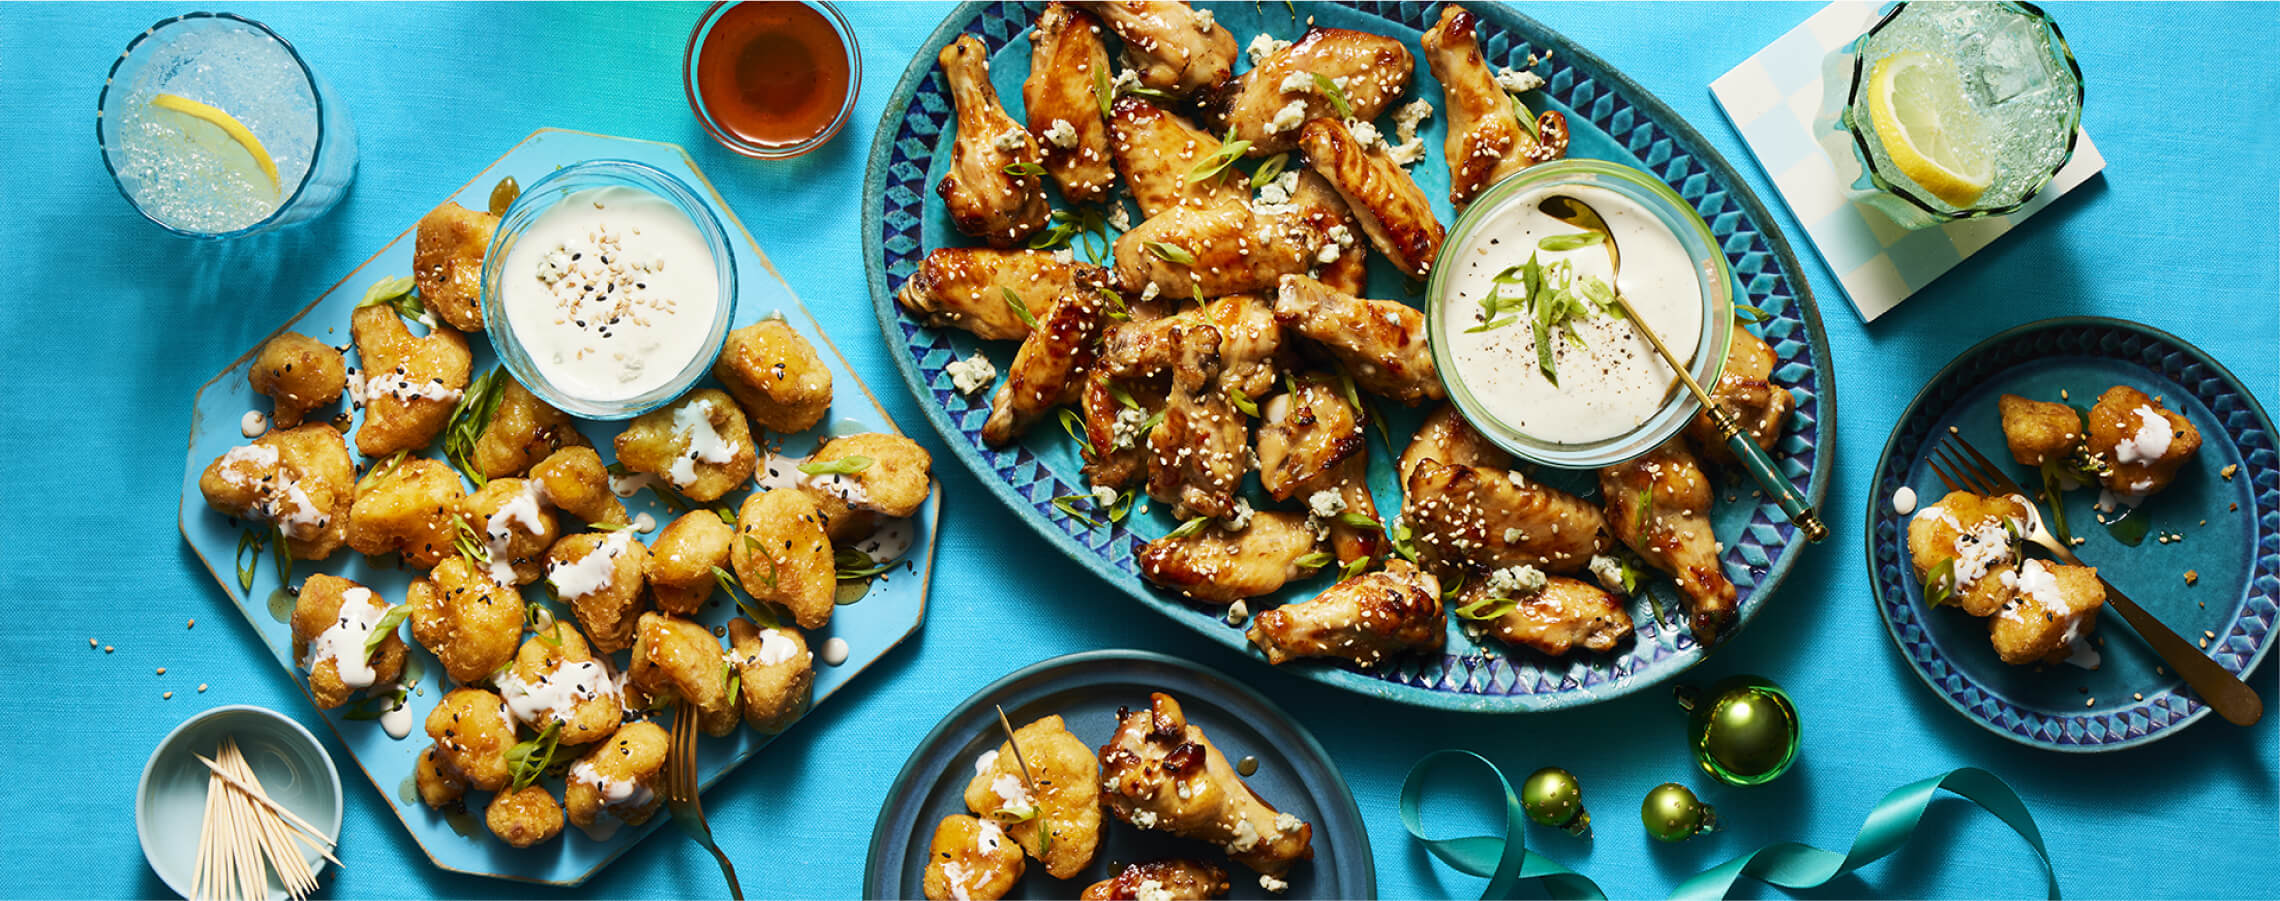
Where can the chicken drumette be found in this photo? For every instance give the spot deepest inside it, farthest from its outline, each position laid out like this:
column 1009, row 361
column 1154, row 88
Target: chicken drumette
column 1176, row 49
column 986, row 200
column 1162, row 773
column 965, row 287
column 1659, row 504
column 1221, row 566
column 1366, row 619
column 1487, row 140
column 1745, row 388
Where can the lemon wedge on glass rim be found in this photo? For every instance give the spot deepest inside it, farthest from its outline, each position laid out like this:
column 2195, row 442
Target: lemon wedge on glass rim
column 1917, row 105
column 231, row 129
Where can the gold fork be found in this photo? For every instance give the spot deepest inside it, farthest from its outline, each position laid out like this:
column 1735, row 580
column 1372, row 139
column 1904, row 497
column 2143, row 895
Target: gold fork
column 681, row 791
column 2231, row 697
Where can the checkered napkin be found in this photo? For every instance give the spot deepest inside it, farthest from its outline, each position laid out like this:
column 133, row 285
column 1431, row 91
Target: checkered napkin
column 1774, row 99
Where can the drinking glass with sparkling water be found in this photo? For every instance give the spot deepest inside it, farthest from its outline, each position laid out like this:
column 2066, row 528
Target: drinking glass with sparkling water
column 1960, row 109
column 214, row 127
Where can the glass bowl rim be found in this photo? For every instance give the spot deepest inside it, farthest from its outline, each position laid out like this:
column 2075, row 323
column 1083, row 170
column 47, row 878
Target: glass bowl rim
column 526, row 209
column 839, row 26
column 1718, row 290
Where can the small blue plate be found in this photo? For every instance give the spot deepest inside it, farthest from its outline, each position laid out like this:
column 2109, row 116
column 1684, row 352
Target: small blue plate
column 2130, row 698
column 170, row 801
column 1087, row 689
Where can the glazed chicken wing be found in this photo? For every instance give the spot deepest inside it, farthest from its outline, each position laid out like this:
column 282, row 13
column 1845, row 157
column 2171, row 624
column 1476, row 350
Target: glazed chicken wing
column 409, row 384
column 1745, row 389
column 1496, row 518
column 1116, row 434
column 1213, row 251
column 1155, row 150
column 1064, row 113
column 965, row 287
column 984, row 199
column 1249, row 341
column 1381, row 342
column 1365, row 619
column 1162, row 773
column 1566, row 614
column 1173, row 879
column 1370, row 70
column 1197, row 457
column 1659, row 504
column 1446, row 436
column 1177, row 49
column 1381, row 195
column 1311, row 446
column 1049, row 369
column 1220, row 566
column 1487, row 140
column 1311, row 198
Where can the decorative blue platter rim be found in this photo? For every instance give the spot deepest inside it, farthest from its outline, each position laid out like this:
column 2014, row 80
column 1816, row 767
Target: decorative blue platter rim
column 1228, row 711
column 2235, row 430
column 1610, row 117
column 891, row 612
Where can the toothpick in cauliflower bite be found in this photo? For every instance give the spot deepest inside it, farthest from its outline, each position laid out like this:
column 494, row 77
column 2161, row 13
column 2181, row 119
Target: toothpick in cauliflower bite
column 1065, row 804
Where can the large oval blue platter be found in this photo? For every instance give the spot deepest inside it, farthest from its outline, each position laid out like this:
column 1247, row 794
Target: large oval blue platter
column 1611, row 117
column 2229, row 524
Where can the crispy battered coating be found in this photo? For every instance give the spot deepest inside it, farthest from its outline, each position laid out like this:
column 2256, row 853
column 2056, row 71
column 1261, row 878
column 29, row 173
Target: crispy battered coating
column 437, row 787
column 467, row 621
column 577, row 483
column 970, row 860
column 523, row 430
column 783, row 557
column 682, row 557
column 599, row 574
column 2056, row 606
column 409, row 507
column 618, row 776
column 1067, row 800
column 298, row 374
column 699, row 444
column 673, row 656
column 1174, row 879
column 775, row 375
column 516, row 528
column 409, row 384
column 777, row 674
column 301, row 479
column 447, row 263
column 329, row 602
column 2039, row 430
column 557, row 678
column 2143, row 442
column 897, row 480
column 1969, row 529
column 524, row 818
column 472, row 733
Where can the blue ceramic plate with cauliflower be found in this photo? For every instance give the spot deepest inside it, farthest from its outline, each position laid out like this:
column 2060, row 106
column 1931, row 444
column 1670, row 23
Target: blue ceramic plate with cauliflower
column 1611, row 118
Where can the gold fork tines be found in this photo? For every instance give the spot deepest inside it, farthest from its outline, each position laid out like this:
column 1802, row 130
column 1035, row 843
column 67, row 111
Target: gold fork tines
column 681, row 791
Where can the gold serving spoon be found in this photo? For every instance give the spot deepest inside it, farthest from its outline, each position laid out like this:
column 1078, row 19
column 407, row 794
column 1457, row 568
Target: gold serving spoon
column 1579, row 214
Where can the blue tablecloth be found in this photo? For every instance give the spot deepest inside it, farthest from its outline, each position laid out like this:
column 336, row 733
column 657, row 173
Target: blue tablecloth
column 112, row 324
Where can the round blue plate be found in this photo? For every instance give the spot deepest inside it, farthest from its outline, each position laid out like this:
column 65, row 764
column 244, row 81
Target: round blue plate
column 2130, row 698
column 1087, row 689
column 1610, row 117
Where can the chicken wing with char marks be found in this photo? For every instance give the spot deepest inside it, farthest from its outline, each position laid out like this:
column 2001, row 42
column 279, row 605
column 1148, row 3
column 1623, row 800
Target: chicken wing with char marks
column 1659, row 504
column 1115, row 432
column 1745, row 388
column 1155, row 150
column 1222, row 566
column 1488, row 142
column 1565, row 615
column 1370, row 70
column 1048, row 370
column 984, row 199
column 1446, row 436
column 1381, row 342
column 1367, row 619
column 965, row 287
column 1250, row 341
column 1213, row 251
column 1495, row 518
column 1198, row 455
column 1310, row 443
column 1162, row 773
column 1064, row 113
column 1173, row 879
column 1381, row 195
column 1175, row 48
column 1312, row 198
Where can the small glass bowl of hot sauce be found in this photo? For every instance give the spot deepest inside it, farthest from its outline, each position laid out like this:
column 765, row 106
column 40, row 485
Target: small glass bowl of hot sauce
column 772, row 80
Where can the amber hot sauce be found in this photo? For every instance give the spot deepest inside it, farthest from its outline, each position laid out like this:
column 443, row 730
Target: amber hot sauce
column 773, row 74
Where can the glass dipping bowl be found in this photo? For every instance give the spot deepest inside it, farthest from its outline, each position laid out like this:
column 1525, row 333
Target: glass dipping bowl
column 1711, row 272
column 543, row 194
column 728, row 137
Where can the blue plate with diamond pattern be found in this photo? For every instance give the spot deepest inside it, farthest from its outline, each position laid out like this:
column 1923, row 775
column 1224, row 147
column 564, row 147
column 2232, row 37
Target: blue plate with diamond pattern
column 1611, row 118
column 2225, row 503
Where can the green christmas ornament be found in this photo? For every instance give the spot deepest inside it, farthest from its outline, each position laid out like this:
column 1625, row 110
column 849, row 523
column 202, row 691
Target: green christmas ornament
column 1744, row 732
column 1673, row 814
column 1552, row 797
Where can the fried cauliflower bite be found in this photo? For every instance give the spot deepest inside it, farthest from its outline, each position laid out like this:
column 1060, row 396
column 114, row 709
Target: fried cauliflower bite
column 511, row 518
column 599, row 574
column 673, row 656
column 971, row 860
column 2144, row 443
column 2056, row 606
column 775, row 374
column 467, row 621
column 437, row 787
column 577, row 483
column 776, row 674
column 524, row 817
column 699, row 444
column 682, row 558
column 556, row 678
column 2039, row 430
column 411, row 507
column 298, row 374
column 523, row 430
column 618, row 776
column 472, row 733
column 1978, row 533
column 332, row 620
column 892, row 485
column 1066, row 803
column 409, row 384
column 447, row 263
column 782, row 556
column 1174, row 879
column 301, row 479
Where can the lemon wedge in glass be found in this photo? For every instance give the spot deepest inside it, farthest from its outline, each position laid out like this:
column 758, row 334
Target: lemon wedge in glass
column 221, row 134
column 1917, row 106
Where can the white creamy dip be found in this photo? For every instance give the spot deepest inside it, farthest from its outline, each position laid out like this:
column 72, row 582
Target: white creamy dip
column 611, row 292
column 589, row 573
column 1615, row 382
column 343, row 641
column 557, row 694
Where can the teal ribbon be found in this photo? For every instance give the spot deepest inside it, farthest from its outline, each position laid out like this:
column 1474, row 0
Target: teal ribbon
column 1506, row 862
